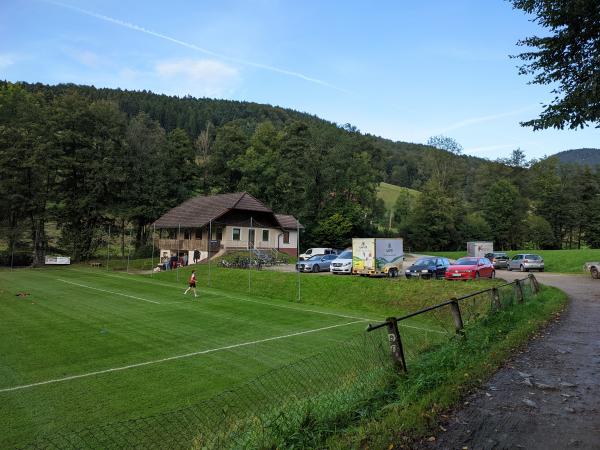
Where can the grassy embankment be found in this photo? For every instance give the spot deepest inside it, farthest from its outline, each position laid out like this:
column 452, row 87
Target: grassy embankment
column 562, row 261
column 408, row 408
column 389, row 193
column 50, row 325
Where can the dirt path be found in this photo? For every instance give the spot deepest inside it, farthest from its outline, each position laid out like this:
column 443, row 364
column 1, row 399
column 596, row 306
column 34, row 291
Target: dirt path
column 547, row 397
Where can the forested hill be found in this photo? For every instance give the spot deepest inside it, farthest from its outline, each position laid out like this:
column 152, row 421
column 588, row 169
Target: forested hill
column 402, row 162
column 85, row 159
column 583, row 156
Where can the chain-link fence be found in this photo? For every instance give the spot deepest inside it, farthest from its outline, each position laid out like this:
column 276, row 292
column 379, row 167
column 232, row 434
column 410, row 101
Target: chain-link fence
column 274, row 410
column 450, row 317
column 267, row 412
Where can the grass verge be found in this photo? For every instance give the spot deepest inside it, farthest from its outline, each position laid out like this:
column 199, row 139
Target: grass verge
column 562, row 261
column 408, row 407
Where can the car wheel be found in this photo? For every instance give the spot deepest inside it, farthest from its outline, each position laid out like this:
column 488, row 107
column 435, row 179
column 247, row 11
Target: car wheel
column 392, row 273
column 522, row 268
column 508, row 268
column 316, row 268
column 594, row 272
column 541, row 270
column 493, row 275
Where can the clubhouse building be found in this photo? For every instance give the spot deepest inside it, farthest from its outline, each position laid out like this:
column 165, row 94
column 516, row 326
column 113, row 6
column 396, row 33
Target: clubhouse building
column 208, row 225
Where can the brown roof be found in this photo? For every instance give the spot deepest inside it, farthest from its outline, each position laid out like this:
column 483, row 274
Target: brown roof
column 288, row 222
column 198, row 211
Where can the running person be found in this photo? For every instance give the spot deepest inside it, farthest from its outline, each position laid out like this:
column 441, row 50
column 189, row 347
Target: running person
column 192, row 284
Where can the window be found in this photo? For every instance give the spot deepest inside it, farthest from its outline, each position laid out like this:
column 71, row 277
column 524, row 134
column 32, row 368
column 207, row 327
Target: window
column 265, row 236
column 199, row 233
column 236, row 232
column 187, row 234
column 286, row 237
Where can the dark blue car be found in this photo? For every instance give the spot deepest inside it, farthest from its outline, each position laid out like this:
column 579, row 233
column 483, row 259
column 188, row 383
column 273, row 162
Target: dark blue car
column 428, row 268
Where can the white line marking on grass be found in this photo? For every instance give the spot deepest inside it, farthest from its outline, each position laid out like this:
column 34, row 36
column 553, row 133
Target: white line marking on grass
column 219, row 294
column 171, row 358
column 109, row 292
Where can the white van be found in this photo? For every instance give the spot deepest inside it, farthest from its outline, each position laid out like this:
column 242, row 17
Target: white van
column 317, row 251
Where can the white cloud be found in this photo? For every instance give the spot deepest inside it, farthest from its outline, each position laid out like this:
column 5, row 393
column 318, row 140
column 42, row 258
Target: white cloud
column 6, row 59
column 204, row 77
column 483, row 119
column 87, row 58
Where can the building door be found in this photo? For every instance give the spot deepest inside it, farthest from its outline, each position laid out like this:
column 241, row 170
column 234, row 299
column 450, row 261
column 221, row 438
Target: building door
column 251, row 233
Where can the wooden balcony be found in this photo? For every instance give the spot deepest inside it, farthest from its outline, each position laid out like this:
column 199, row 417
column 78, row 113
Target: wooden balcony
column 183, row 244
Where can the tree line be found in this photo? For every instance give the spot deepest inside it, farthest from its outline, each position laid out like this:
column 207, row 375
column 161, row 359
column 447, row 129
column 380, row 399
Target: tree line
column 84, row 159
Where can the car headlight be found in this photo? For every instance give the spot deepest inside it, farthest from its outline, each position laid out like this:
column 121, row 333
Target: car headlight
column 407, row 270
column 347, row 264
column 424, row 271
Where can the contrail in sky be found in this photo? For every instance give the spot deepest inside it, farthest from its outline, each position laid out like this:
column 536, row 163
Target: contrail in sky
column 140, row 29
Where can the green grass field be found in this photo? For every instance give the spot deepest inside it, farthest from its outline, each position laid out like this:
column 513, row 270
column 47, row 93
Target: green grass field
column 87, row 346
column 563, row 261
column 389, row 193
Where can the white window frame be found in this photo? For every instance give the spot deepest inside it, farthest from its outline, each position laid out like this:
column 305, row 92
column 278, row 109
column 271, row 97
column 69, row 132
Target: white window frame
column 233, row 234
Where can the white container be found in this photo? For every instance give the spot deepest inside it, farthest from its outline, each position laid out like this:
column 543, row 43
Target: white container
column 478, row 249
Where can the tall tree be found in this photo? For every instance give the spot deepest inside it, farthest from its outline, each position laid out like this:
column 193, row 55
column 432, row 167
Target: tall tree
column 567, row 58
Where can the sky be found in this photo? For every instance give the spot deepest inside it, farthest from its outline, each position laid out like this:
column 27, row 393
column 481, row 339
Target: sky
column 397, row 69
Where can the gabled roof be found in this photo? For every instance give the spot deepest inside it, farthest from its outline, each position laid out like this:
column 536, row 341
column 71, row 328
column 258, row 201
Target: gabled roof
column 288, row 222
column 198, row 211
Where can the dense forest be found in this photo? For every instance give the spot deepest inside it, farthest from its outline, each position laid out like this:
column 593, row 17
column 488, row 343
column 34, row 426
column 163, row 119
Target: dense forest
column 82, row 159
column 585, row 156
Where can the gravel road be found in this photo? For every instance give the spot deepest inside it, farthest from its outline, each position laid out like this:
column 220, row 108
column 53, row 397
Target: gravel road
column 547, row 397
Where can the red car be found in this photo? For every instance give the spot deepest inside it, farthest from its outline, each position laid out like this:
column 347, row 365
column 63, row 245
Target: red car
column 470, row 268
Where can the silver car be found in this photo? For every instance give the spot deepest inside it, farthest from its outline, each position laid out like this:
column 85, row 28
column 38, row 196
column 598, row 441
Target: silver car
column 526, row 262
column 317, row 263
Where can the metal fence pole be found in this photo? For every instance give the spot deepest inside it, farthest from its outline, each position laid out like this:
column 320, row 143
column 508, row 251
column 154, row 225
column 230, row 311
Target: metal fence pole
column 519, row 291
column 108, row 249
column 129, row 249
column 458, row 322
column 396, row 344
column 209, row 245
column 152, row 256
column 12, row 251
column 299, row 296
column 178, row 236
column 250, row 252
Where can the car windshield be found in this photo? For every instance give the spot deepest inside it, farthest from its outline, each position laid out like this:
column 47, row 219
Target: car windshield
column 534, row 257
column 500, row 255
column 345, row 255
column 425, row 262
column 467, row 262
column 315, row 258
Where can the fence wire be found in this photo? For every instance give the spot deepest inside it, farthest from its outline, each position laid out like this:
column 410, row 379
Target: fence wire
column 265, row 412
column 271, row 411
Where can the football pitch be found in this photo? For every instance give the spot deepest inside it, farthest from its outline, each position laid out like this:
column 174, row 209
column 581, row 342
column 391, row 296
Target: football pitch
column 82, row 347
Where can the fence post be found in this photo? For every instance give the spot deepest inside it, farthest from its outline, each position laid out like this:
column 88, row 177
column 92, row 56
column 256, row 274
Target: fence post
column 535, row 286
column 496, row 298
column 396, row 344
column 519, row 291
column 458, row 323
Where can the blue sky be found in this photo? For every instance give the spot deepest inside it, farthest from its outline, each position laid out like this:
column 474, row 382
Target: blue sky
column 402, row 70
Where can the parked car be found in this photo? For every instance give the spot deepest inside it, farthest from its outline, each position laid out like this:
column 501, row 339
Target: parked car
column 428, row 268
column 498, row 259
column 317, row 263
column 342, row 264
column 316, row 251
column 526, row 262
column 593, row 268
column 470, row 268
